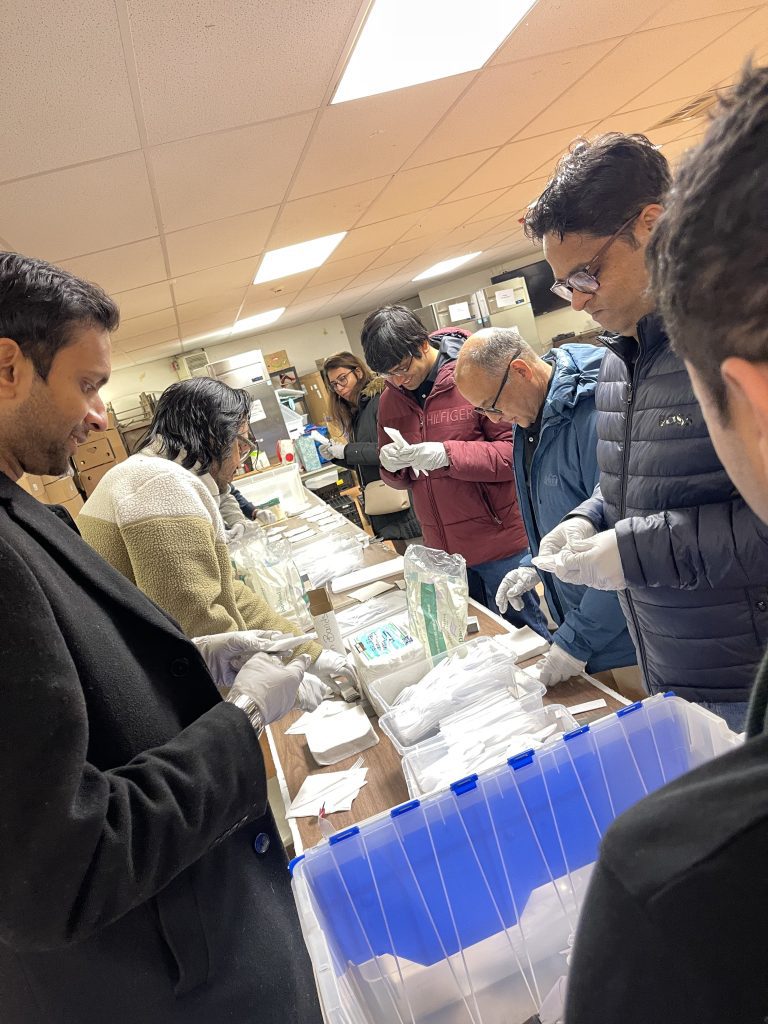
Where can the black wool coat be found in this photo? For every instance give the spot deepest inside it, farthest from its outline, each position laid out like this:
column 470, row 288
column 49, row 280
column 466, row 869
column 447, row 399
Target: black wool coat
column 132, row 805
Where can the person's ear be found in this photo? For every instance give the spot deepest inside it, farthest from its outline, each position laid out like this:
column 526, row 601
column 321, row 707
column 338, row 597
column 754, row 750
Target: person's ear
column 522, row 369
column 747, row 389
column 646, row 221
column 11, row 358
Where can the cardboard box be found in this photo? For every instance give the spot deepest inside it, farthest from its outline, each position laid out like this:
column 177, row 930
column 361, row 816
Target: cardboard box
column 96, row 451
column 33, row 485
column 60, row 490
column 317, row 397
column 116, row 442
column 90, row 477
column 72, row 506
column 277, row 361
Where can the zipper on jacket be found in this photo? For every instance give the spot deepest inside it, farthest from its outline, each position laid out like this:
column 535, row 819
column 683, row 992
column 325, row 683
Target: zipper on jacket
column 487, row 502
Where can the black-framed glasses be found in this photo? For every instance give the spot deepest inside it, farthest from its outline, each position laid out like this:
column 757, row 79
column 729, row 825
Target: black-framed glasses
column 586, row 280
column 491, row 410
column 399, row 371
column 341, row 380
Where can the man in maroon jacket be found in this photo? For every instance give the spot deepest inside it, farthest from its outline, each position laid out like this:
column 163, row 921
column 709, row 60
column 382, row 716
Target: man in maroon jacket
column 456, row 462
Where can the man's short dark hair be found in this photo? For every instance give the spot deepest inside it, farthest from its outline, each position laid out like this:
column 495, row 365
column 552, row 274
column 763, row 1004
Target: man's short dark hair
column 201, row 417
column 390, row 335
column 41, row 304
column 597, row 186
column 708, row 254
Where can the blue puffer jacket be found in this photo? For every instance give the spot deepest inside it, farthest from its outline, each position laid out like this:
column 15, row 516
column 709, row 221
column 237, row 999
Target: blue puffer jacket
column 694, row 556
column 564, row 471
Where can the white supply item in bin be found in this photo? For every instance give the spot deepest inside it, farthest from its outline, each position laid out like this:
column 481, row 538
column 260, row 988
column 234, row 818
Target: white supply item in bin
column 326, row 558
column 376, row 609
column 482, row 737
column 438, row 597
column 386, row 648
column 332, row 737
column 527, row 643
column 459, row 680
column 361, row 577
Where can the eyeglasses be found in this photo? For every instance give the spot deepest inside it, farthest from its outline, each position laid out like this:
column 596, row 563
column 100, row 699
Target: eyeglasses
column 492, row 411
column 341, row 381
column 399, row 371
column 245, row 445
column 586, row 280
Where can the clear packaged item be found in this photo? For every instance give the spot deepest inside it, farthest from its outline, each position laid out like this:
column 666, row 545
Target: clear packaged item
column 366, row 613
column 438, row 597
column 266, row 566
column 325, row 559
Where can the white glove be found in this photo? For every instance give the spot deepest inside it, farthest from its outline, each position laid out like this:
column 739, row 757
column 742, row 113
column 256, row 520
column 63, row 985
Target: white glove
column 312, row 693
column 272, row 685
column 333, row 450
column 577, row 528
column 263, row 517
column 235, row 533
column 595, row 563
column 513, row 586
column 223, row 653
column 429, row 455
column 331, row 666
column 395, row 456
column 557, row 665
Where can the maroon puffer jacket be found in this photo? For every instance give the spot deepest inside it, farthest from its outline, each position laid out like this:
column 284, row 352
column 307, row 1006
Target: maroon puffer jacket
column 470, row 507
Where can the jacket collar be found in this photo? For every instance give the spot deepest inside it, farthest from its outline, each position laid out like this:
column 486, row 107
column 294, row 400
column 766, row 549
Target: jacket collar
column 77, row 557
column 652, row 336
column 154, row 450
column 574, row 378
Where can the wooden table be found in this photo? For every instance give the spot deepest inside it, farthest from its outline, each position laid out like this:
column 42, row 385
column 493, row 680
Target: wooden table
column 386, row 785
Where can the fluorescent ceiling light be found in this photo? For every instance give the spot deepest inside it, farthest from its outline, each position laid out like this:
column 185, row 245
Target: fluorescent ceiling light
column 446, row 266
column 293, row 259
column 404, row 43
column 250, row 323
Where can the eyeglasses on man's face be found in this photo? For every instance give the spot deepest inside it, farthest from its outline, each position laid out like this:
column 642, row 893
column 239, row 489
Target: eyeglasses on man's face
column 401, row 370
column 586, row 280
column 341, row 381
column 491, row 410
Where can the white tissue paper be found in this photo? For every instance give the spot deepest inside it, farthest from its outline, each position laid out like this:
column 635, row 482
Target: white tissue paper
column 333, row 791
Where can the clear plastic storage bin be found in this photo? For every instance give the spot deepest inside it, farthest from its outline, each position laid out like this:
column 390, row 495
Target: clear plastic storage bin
column 458, row 909
column 283, row 482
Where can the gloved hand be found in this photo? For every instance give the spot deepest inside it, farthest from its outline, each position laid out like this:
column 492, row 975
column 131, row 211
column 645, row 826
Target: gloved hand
column 429, row 455
column 263, row 517
column 513, row 586
column 223, row 653
column 312, row 693
column 594, row 562
column 272, row 685
column 333, row 450
column 557, row 665
column 394, row 457
column 331, row 666
column 235, row 533
column 577, row 528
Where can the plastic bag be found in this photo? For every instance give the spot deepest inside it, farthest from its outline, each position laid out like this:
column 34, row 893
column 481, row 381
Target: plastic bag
column 328, row 558
column 269, row 570
column 438, row 597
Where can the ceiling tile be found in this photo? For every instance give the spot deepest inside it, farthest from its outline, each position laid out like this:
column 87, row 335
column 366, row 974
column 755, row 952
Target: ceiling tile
column 60, row 106
column 210, row 282
column 562, row 25
column 641, row 120
column 688, row 10
column 138, row 301
column 378, row 276
column 137, row 325
column 504, row 99
column 230, row 299
column 324, row 214
column 216, row 176
column 155, row 351
column 234, row 63
column 366, row 138
column 221, row 241
column 373, row 236
column 213, row 323
column 275, row 291
column 123, row 268
column 514, row 200
column 163, row 336
column 333, row 270
column 518, row 160
column 423, row 187
column 401, row 251
column 447, row 216
column 120, row 361
column 725, row 54
column 324, row 291
column 79, row 210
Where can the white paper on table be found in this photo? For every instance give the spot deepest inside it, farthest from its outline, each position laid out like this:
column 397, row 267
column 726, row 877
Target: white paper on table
column 327, row 709
column 335, row 791
column 326, row 527
column 368, row 574
column 372, row 590
column 590, row 705
column 525, row 643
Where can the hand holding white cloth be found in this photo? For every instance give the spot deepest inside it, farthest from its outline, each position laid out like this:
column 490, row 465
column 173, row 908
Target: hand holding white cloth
column 428, row 456
column 557, row 665
column 312, row 692
column 576, row 528
column 513, row 586
column 395, row 457
column 333, row 450
column 331, row 666
column 272, row 685
column 224, row 653
column 593, row 562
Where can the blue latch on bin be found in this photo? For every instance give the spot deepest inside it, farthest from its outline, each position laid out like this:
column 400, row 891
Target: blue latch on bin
column 464, row 785
column 520, row 760
column 404, row 807
column 628, row 710
column 346, row 834
column 292, row 864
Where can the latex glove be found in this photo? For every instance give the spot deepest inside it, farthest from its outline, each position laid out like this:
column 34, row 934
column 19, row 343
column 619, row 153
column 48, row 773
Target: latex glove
column 223, row 653
column 312, row 692
column 331, row 666
column 264, row 517
column 235, row 533
column 272, row 685
column 557, row 665
column 429, row 455
column 577, row 528
column 595, row 563
column 333, row 450
column 513, row 586
column 395, row 457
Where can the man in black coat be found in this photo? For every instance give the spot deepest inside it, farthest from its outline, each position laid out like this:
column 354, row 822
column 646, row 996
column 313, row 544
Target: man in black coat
column 142, row 879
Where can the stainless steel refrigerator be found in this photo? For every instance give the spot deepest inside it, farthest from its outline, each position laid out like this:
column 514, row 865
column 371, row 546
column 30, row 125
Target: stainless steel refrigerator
column 248, row 371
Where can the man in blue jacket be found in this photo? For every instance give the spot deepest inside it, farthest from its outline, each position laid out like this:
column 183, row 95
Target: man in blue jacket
column 551, row 402
column 666, row 526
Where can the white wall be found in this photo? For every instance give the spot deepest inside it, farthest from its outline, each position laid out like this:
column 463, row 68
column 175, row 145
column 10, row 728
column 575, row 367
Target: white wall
column 560, row 321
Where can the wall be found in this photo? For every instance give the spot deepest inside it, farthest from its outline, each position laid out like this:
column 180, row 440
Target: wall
column 304, row 344
column 560, row 321
column 353, row 325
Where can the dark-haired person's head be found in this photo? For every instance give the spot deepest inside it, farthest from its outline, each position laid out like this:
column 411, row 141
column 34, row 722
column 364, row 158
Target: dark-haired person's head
column 396, row 345
column 595, row 218
column 54, row 358
column 203, row 423
column 709, row 270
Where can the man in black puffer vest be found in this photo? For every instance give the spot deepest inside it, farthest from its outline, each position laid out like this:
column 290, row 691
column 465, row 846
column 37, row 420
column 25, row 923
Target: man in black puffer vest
column 666, row 527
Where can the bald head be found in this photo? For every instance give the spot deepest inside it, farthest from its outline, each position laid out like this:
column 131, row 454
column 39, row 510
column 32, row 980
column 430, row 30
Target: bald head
column 484, row 361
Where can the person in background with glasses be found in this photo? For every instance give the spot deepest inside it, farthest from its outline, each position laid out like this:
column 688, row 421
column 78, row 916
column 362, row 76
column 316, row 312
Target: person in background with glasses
column 355, row 394
column 550, row 402
column 156, row 519
column 456, row 461
column 665, row 525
